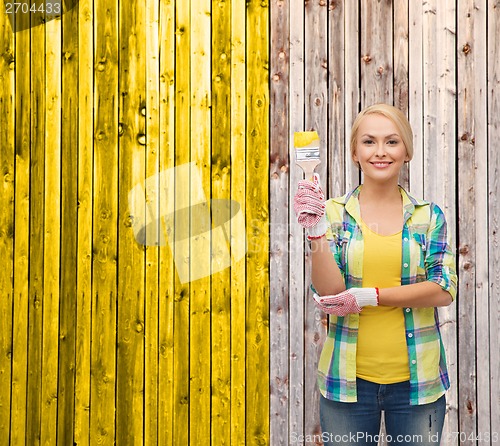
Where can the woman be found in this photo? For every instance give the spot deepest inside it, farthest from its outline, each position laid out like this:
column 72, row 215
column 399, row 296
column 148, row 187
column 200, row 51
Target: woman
column 381, row 264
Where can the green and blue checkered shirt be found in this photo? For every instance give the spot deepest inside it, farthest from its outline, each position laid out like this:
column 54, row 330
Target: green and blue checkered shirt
column 426, row 255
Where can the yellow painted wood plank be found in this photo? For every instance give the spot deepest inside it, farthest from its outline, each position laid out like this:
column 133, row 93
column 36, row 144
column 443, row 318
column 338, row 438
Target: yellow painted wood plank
column 84, row 236
column 51, row 236
column 21, row 246
column 257, row 188
column 7, row 153
column 221, row 217
column 152, row 279
column 36, row 246
column 166, row 198
column 238, row 231
column 105, row 223
column 200, row 233
column 69, row 233
column 132, row 145
column 181, row 222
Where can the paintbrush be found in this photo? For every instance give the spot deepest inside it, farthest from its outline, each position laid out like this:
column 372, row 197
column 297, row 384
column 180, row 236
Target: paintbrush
column 307, row 152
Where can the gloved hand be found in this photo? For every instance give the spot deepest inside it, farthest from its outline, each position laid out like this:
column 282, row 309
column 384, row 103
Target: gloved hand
column 347, row 302
column 309, row 206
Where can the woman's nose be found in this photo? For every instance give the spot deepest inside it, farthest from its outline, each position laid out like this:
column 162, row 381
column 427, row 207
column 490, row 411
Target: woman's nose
column 380, row 149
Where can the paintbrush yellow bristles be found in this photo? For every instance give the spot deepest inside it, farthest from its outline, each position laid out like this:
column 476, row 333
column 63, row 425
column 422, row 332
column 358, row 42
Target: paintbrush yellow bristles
column 305, row 139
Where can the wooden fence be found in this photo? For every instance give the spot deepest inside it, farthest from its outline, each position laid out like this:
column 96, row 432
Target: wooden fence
column 110, row 331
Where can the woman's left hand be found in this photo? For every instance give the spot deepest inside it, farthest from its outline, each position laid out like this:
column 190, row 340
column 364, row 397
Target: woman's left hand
column 350, row 301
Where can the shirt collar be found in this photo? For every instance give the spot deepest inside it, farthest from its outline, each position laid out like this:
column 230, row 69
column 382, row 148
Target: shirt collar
column 351, row 203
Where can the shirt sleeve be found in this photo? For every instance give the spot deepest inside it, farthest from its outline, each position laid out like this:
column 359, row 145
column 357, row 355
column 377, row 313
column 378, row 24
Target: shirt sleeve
column 334, row 239
column 440, row 262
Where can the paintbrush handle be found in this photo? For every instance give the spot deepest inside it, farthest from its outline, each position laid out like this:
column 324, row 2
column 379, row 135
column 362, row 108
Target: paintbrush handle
column 308, row 168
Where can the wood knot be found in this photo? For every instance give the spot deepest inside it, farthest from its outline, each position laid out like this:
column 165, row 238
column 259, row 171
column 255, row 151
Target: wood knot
column 464, row 137
column 470, row 409
column 366, row 59
column 466, row 49
column 464, row 250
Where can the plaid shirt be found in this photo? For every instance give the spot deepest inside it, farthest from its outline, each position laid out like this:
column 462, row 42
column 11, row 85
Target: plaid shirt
column 426, row 255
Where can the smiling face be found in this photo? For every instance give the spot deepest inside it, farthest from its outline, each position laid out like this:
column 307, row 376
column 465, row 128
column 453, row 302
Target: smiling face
column 379, row 150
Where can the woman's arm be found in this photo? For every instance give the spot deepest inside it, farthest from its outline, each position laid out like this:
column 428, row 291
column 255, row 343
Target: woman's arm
column 417, row 295
column 325, row 275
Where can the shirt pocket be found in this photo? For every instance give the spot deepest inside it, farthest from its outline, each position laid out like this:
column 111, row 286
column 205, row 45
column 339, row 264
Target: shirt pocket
column 343, row 248
column 420, row 255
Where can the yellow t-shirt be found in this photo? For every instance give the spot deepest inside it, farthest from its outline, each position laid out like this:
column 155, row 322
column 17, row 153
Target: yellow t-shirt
column 382, row 355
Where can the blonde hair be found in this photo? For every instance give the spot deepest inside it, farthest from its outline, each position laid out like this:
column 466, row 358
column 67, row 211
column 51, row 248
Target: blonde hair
column 392, row 113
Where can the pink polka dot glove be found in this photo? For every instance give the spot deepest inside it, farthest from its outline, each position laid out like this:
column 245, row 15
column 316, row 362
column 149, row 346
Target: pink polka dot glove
column 347, row 302
column 309, row 206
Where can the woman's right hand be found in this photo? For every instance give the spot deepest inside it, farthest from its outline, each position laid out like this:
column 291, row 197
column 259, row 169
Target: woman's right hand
column 309, row 202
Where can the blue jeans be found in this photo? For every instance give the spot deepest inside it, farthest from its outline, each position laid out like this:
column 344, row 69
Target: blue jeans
column 359, row 423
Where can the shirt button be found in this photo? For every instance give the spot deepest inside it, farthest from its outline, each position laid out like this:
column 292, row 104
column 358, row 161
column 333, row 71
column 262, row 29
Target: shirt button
column 410, row 335
column 408, row 310
column 405, row 265
column 413, row 361
column 405, row 239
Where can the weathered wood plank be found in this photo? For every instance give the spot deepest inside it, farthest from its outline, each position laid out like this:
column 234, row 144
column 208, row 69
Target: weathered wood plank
column 221, row 214
column 316, row 111
column 181, row 221
column 166, row 195
column 279, row 199
column 439, row 143
column 200, row 233
column 51, row 237
column 152, row 278
column 69, row 223
column 468, row 229
column 400, row 57
column 377, row 66
column 479, row 33
column 105, row 224
column 257, row 208
column 238, row 232
column 352, row 96
column 84, row 216
column 7, row 193
column 493, row 62
column 296, row 238
column 37, row 203
column 415, row 85
column 131, row 272
column 338, row 153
